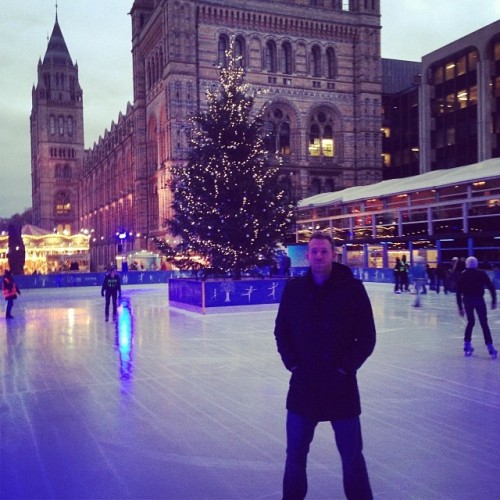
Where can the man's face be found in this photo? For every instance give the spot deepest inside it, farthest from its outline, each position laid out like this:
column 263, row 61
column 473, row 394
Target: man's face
column 320, row 255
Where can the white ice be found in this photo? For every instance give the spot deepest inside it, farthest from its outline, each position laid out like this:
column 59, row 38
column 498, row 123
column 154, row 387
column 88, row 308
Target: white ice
column 177, row 405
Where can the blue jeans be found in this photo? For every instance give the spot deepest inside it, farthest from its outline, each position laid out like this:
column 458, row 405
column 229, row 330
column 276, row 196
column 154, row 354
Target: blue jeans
column 479, row 305
column 300, row 433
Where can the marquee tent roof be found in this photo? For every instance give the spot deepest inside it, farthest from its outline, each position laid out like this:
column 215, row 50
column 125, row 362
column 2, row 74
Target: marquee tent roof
column 486, row 169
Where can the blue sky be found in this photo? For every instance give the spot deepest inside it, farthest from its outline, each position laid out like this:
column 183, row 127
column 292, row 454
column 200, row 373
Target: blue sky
column 98, row 35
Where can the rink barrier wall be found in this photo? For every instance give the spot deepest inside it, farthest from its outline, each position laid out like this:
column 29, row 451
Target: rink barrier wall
column 223, row 295
column 77, row 279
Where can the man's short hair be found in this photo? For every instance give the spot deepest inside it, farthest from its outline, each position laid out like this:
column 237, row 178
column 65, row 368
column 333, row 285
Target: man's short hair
column 471, row 262
column 322, row 236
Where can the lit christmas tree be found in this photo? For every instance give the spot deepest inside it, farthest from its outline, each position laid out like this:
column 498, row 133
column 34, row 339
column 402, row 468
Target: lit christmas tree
column 229, row 208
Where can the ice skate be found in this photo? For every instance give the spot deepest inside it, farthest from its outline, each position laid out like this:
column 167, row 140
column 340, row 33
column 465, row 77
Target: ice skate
column 468, row 349
column 493, row 352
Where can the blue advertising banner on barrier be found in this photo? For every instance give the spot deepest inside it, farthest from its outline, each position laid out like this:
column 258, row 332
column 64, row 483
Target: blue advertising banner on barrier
column 89, row 279
column 213, row 294
column 243, row 292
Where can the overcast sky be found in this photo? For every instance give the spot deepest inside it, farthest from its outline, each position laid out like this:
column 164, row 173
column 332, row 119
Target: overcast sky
column 97, row 34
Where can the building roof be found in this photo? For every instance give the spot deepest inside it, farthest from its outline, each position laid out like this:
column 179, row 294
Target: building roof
column 57, row 51
column 486, row 169
column 399, row 76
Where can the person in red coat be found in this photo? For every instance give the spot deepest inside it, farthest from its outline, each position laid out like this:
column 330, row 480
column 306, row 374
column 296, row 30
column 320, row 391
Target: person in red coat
column 324, row 332
column 10, row 292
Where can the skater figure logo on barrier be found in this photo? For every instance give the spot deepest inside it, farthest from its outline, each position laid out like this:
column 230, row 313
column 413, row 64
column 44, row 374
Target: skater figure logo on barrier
column 249, row 292
column 272, row 290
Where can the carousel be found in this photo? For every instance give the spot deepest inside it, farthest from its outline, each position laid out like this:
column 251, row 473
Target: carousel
column 48, row 252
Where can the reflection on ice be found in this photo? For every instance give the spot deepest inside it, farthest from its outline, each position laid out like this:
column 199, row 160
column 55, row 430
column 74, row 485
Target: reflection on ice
column 123, row 337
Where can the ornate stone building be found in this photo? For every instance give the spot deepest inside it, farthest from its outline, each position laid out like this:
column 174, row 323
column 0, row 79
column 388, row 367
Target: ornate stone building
column 57, row 145
column 317, row 60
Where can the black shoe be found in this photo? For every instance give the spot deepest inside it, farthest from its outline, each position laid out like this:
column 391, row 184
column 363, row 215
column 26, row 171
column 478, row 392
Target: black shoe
column 9, row 316
column 106, row 319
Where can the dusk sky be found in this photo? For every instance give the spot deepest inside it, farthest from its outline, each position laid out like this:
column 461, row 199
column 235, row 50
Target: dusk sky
column 98, row 34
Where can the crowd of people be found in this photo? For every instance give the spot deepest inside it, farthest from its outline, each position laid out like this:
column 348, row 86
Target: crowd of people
column 463, row 278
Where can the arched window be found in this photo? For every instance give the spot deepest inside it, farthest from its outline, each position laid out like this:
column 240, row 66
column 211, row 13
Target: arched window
column 331, row 63
column 58, row 171
column 316, row 61
column 52, row 125
column 222, row 47
column 66, row 172
column 314, row 140
column 315, row 186
column 70, row 125
column 62, row 204
column 321, row 135
column 286, row 58
column 278, row 131
column 327, row 142
column 271, row 56
column 239, row 51
column 284, row 138
column 61, row 125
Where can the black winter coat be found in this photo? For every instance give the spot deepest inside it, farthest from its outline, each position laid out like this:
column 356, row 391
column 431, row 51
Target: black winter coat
column 324, row 334
column 471, row 284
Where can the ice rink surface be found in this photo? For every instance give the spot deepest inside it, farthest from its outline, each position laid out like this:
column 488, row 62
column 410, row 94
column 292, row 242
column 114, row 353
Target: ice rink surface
column 172, row 405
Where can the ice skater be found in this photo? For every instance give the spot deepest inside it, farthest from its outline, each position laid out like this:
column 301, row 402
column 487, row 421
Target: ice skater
column 112, row 290
column 398, row 281
column 419, row 274
column 10, row 292
column 324, row 333
column 470, row 297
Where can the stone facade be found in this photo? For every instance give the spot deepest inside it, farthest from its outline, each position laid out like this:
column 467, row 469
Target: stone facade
column 318, row 62
column 57, row 145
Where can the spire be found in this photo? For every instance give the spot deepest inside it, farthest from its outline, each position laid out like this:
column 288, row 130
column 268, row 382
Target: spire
column 57, row 52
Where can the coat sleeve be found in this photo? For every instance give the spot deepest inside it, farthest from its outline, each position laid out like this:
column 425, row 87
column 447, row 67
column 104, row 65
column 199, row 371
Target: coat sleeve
column 104, row 284
column 364, row 334
column 283, row 332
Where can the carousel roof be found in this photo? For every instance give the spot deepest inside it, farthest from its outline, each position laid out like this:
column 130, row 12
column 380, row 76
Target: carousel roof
column 30, row 230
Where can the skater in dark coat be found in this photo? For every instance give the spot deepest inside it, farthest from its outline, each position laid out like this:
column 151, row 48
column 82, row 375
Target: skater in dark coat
column 324, row 332
column 10, row 292
column 441, row 277
column 470, row 296
column 111, row 289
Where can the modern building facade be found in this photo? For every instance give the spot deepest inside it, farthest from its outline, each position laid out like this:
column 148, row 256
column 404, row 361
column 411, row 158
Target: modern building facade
column 443, row 112
column 460, row 101
column 318, row 62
